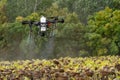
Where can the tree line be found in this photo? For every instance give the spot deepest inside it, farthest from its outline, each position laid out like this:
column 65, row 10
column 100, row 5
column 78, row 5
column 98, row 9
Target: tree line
column 91, row 27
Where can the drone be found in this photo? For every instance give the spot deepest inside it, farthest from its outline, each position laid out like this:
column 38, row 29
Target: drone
column 44, row 25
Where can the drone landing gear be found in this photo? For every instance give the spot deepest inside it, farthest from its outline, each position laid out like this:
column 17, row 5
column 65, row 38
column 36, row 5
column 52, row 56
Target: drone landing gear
column 46, row 34
column 42, row 34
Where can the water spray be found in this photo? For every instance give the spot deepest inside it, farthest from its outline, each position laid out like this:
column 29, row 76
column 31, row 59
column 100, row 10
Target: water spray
column 44, row 30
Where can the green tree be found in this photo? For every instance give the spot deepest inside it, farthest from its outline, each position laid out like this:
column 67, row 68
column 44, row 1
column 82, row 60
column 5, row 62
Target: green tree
column 116, row 4
column 70, row 33
column 24, row 8
column 55, row 10
column 103, row 32
column 72, row 36
column 11, row 34
column 3, row 17
column 84, row 8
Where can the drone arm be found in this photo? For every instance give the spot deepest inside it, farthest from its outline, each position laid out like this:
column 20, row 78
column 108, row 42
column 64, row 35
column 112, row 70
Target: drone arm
column 25, row 22
column 36, row 23
column 61, row 21
column 30, row 23
column 55, row 21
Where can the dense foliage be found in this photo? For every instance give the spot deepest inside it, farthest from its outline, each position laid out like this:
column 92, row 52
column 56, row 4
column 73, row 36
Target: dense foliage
column 95, row 68
column 3, row 17
column 91, row 27
column 103, row 32
column 25, row 7
column 84, row 8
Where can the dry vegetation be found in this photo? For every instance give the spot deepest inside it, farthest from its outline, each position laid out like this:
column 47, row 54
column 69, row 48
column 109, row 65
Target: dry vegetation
column 89, row 68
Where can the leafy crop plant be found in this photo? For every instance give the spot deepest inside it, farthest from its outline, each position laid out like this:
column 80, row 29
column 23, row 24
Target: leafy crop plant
column 88, row 68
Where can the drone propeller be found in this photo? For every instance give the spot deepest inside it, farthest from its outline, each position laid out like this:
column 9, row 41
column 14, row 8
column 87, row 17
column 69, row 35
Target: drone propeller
column 61, row 21
column 27, row 22
column 55, row 18
column 52, row 17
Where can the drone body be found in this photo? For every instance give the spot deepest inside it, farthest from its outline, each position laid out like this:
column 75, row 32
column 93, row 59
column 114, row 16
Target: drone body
column 44, row 24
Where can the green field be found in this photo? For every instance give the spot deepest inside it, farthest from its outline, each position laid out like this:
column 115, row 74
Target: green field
column 88, row 68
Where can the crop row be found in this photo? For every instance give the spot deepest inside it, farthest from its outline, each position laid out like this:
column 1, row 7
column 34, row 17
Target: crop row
column 88, row 68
